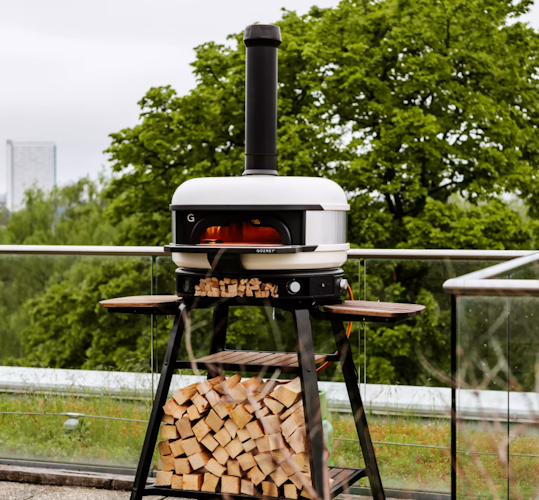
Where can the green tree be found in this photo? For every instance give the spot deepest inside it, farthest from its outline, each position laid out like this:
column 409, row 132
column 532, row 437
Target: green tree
column 39, row 294
column 405, row 104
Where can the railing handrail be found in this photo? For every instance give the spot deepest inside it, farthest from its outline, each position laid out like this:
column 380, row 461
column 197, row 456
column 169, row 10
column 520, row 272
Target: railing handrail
column 482, row 283
column 357, row 253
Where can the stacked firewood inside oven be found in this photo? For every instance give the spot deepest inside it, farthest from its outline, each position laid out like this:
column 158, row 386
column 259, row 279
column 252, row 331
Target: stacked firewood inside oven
column 233, row 287
column 236, row 437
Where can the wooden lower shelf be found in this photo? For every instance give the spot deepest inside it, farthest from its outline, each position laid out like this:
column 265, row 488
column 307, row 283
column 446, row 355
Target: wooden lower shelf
column 343, row 478
column 252, row 361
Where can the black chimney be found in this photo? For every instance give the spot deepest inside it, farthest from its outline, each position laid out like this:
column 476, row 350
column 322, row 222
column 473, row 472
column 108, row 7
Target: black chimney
column 261, row 42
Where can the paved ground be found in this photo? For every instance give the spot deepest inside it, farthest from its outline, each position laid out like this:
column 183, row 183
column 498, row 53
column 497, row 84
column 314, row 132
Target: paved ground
column 21, row 491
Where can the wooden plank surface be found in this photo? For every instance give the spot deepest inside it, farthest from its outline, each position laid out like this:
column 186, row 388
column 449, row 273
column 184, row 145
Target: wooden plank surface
column 377, row 309
column 257, row 358
column 141, row 301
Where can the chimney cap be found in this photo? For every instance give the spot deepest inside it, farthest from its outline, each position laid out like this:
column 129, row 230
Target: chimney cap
column 262, row 34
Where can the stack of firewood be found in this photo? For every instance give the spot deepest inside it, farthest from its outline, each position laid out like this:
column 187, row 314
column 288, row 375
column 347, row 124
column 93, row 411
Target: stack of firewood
column 236, row 437
column 233, row 287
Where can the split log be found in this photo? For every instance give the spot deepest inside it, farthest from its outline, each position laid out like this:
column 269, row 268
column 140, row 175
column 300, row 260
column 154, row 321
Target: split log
column 253, row 383
column 214, row 421
column 232, row 428
column 294, row 421
column 223, row 437
column 234, row 448
column 246, row 461
column 215, row 467
column 271, row 424
column 229, row 383
column 173, row 409
column 255, row 429
column 201, row 403
column 221, row 455
column 193, row 413
column 167, row 462
column 289, row 393
column 297, row 440
column 276, row 441
column 167, row 419
column 290, row 491
column 210, row 483
column 256, row 476
column 262, row 412
column 163, row 478
column 244, row 434
column 164, row 448
column 207, row 385
column 184, row 428
column 221, row 410
column 182, row 396
column 274, row 405
column 247, row 487
column 176, row 448
column 182, row 466
column 201, row 428
column 168, row 432
column 262, row 444
column 191, row 446
column 249, row 445
column 233, row 468
column 292, row 409
column 269, row 489
column 199, row 460
column 241, row 416
column 177, row 482
column 265, row 463
column 213, row 398
column 192, row 482
column 209, row 442
column 230, row 484
column 300, row 480
column 279, row 476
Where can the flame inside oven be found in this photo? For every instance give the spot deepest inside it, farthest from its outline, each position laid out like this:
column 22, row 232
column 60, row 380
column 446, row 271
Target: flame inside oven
column 241, row 233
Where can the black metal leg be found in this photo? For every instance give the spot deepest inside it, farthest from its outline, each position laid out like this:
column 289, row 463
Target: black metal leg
column 157, row 409
column 218, row 334
column 311, row 402
column 350, row 377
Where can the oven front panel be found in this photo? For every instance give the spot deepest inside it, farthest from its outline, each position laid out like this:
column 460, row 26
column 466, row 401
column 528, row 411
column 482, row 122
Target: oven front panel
column 236, row 227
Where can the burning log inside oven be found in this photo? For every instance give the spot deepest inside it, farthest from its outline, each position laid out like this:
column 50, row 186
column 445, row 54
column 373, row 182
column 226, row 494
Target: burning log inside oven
column 245, row 437
column 234, row 287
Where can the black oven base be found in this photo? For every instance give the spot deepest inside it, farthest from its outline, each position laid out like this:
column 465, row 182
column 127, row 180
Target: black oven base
column 318, row 285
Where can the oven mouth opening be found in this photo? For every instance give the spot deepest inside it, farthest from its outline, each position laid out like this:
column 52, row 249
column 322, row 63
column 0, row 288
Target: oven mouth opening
column 244, row 233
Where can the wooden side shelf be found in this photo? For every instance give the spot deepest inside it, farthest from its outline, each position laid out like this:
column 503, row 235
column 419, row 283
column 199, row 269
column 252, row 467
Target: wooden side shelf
column 343, row 479
column 355, row 310
column 143, row 304
column 253, row 361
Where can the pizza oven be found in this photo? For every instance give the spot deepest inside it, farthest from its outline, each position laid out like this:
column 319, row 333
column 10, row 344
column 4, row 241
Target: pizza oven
column 287, row 233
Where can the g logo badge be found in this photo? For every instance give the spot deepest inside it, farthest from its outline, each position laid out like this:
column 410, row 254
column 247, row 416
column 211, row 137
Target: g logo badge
column 191, row 218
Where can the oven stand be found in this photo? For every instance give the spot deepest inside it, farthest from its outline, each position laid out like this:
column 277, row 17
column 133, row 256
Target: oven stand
column 313, row 418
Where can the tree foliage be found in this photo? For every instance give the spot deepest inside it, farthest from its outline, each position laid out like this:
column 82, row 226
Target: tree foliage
column 405, row 104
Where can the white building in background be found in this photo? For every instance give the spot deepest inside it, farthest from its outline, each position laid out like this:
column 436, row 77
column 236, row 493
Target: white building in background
column 29, row 164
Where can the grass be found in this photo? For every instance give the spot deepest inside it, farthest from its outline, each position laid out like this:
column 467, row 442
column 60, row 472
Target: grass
column 118, row 443
column 95, row 441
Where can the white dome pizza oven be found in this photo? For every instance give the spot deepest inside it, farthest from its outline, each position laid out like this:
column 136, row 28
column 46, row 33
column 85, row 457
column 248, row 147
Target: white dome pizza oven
column 286, row 233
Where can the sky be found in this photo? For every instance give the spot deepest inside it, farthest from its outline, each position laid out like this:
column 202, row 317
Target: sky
column 73, row 72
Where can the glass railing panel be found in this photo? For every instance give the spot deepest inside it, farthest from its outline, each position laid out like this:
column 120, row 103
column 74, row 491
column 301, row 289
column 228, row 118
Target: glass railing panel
column 523, row 407
column 411, row 426
column 59, row 342
column 482, row 396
